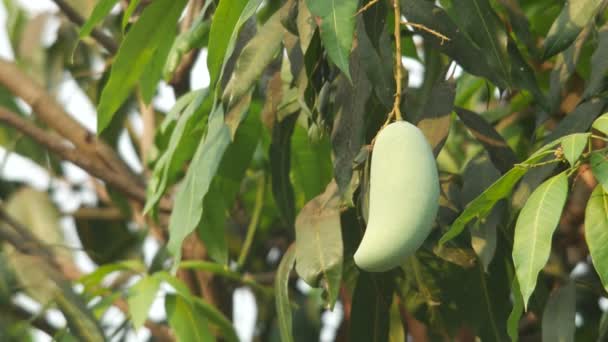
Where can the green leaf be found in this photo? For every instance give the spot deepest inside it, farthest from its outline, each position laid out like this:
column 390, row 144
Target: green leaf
column 337, row 27
column 136, row 51
column 280, row 163
column 254, row 58
column 436, row 116
column 601, row 123
column 371, row 305
column 579, row 120
column 500, row 153
column 478, row 175
column 228, row 18
column 571, row 20
column 188, row 206
column 481, row 206
column 100, row 11
column 187, row 322
column 185, row 135
column 281, row 286
column 596, row 231
column 319, row 249
column 348, row 133
column 573, row 145
column 599, row 65
column 516, row 312
column 479, row 22
column 153, row 72
column 599, row 166
column 558, row 317
column 141, row 296
column 128, row 12
column 533, row 231
column 311, row 165
column 208, row 311
column 225, row 187
column 216, row 317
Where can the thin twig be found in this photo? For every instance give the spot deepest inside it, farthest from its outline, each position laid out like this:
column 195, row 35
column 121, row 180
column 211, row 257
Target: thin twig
column 253, row 223
column 397, row 104
column 424, row 28
column 367, row 6
column 104, row 40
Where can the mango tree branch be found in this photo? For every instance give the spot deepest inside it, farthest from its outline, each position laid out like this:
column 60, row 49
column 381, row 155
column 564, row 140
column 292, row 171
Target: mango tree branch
column 54, row 116
column 78, row 157
column 103, row 39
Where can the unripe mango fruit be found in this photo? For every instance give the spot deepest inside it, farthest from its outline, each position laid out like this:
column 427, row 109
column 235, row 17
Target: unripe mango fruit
column 403, row 197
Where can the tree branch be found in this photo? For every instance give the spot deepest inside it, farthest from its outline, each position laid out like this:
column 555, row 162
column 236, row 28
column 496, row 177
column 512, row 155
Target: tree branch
column 104, row 40
column 78, row 157
column 53, row 115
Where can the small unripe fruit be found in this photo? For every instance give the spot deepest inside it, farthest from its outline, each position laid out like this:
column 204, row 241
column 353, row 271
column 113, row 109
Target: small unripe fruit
column 403, row 198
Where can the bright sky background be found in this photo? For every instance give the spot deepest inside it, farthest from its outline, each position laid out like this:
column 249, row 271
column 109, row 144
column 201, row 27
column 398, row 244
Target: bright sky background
column 77, row 104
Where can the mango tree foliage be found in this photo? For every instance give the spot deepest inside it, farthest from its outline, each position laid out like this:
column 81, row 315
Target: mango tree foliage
column 259, row 180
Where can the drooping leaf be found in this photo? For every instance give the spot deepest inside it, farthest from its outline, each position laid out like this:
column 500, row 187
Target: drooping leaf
column 571, row 20
column 188, row 206
column 573, row 145
column 185, row 134
column 280, row 163
column 215, row 317
column 319, row 249
column 534, row 230
column 336, row 20
column 311, row 165
column 188, row 323
column 599, row 167
column 227, row 20
column 206, row 310
column 254, row 58
column 225, row 187
column 599, row 65
column 371, row 307
column 154, row 70
column 378, row 73
column 579, row 120
column 436, row 117
column 101, row 10
column 558, row 318
column 596, row 231
column 523, row 75
column 516, row 312
column 500, row 153
column 281, row 287
column 479, row 174
column 141, row 296
column 348, row 132
column 134, row 54
column 128, row 12
column 477, row 20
